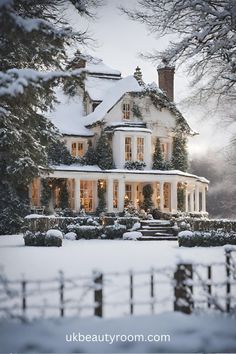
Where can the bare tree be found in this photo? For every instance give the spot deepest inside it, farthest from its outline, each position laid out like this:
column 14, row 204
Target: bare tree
column 205, row 40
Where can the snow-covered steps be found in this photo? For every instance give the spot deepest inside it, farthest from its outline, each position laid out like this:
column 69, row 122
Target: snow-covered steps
column 156, row 230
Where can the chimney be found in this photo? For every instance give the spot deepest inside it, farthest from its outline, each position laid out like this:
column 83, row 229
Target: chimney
column 166, row 80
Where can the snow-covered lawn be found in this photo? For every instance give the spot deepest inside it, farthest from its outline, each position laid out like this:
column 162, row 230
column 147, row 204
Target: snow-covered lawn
column 76, row 257
column 186, row 334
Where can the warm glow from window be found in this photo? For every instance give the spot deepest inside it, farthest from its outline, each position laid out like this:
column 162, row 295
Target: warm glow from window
column 115, row 194
column 164, row 149
column 128, row 192
column 128, row 149
column 126, row 111
column 86, row 195
column 140, row 149
column 77, row 149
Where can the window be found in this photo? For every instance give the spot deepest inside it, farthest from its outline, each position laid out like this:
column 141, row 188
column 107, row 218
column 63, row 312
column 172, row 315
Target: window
column 140, row 149
column 77, row 149
column 115, row 194
column 35, row 192
column 126, row 111
column 86, row 195
column 128, row 192
column 164, row 149
column 128, row 149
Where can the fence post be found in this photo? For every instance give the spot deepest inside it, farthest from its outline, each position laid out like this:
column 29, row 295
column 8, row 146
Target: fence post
column 228, row 286
column 183, row 291
column 98, row 294
column 131, row 292
column 23, row 290
column 209, row 278
column 152, row 290
column 61, row 292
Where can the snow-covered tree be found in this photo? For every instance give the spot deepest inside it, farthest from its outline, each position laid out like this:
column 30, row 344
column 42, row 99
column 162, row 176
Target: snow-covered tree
column 33, row 39
column 90, row 157
column 139, row 76
column 179, row 159
column 205, row 37
column 104, row 152
column 147, row 203
column 158, row 158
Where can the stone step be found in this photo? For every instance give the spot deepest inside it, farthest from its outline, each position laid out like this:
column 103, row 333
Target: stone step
column 159, row 238
column 156, row 223
column 156, row 233
column 159, row 229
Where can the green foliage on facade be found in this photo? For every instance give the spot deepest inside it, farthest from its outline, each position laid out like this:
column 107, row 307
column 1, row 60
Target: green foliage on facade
column 179, row 159
column 90, row 157
column 104, row 153
column 158, row 158
column 101, row 190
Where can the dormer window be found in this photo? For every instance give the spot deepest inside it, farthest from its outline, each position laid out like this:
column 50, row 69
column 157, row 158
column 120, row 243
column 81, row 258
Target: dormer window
column 126, row 111
column 77, row 149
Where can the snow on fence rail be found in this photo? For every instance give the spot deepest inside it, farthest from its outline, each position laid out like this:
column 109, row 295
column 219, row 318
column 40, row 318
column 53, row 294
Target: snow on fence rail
column 186, row 288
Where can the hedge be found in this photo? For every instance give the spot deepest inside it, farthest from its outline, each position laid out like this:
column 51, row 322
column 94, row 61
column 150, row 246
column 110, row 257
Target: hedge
column 206, row 239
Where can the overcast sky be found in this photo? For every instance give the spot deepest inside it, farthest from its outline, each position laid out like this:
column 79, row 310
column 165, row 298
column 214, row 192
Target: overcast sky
column 119, row 42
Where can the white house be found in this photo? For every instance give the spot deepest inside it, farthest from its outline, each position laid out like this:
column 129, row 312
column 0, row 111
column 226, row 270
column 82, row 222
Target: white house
column 133, row 116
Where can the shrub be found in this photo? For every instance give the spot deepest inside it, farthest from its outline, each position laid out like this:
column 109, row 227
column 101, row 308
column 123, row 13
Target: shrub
column 108, row 220
column 86, row 231
column 70, row 236
column 53, row 238
column 135, row 165
column 34, row 239
column 115, row 231
column 128, row 221
column 206, row 239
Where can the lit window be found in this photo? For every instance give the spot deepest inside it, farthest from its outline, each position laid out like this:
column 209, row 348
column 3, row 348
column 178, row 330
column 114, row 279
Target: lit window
column 35, row 192
column 77, row 149
column 73, row 149
column 164, row 150
column 115, row 194
column 128, row 149
column 80, row 149
column 126, row 111
column 128, row 192
column 86, row 195
column 140, row 149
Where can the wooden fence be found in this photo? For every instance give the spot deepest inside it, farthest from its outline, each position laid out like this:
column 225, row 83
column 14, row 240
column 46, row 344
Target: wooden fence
column 186, row 288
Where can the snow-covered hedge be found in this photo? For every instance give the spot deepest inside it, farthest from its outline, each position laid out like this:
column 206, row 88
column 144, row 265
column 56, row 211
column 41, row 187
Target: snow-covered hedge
column 206, row 239
column 115, row 231
column 50, row 238
column 199, row 224
column 128, row 221
column 132, row 235
column 86, row 231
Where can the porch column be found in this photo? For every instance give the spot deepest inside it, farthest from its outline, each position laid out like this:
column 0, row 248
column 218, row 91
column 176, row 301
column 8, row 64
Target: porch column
column 77, row 194
column 109, row 195
column 204, row 199
column 192, row 201
column 186, row 200
column 197, row 198
column 121, row 194
column 173, row 196
column 161, row 196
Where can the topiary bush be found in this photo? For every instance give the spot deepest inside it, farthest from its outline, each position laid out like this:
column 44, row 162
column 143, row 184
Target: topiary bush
column 86, row 231
column 34, row 239
column 206, row 239
column 53, row 238
column 127, row 221
column 115, row 231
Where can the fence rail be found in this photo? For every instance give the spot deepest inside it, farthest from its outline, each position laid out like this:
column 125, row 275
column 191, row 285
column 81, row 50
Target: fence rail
column 185, row 288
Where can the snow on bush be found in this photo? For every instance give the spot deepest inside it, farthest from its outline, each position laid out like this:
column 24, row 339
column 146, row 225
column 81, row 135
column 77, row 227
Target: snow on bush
column 115, row 231
column 51, row 238
column 70, row 236
column 206, row 239
column 86, row 231
column 133, row 235
column 128, row 221
column 136, row 226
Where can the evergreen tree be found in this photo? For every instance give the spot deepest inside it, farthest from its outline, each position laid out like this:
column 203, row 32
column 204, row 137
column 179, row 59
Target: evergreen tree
column 64, row 195
column 179, row 159
column 58, row 153
column 101, row 198
column 158, row 158
column 104, row 153
column 33, row 37
column 90, row 157
column 147, row 194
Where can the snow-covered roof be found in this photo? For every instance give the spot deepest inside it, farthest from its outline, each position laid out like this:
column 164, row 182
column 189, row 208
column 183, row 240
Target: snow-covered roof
column 67, row 116
column 128, row 84
column 133, row 129
column 96, row 66
column 97, row 87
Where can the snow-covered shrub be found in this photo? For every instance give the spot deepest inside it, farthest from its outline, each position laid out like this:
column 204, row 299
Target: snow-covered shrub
column 133, row 235
column 53, row 238
column 108, row 220
column 34, row 239
column 157, row 214
column 92, row 221
column 86, row 231
column 136, row 226
column 115, row 231
column 206, row 239
column 128, row 221
column 70, row 236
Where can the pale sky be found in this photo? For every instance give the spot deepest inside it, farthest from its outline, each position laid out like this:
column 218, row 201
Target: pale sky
column 118, row 43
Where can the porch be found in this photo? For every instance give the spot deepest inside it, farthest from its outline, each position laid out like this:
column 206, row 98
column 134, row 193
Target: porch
column 172, row 191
